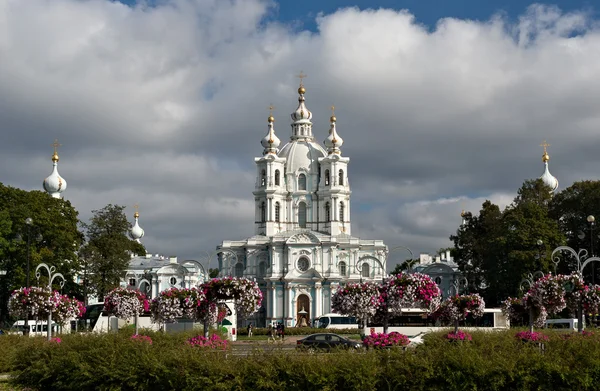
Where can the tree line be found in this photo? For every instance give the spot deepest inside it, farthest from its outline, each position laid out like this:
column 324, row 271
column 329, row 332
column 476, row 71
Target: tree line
column 495, row 249
column 95, row 252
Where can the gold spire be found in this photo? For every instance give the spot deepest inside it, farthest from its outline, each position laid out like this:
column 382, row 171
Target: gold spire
column 301, row 89
column 271, row 119
column 332, row 119
column 463, row 213
column 545, row 156
column 55, row 144
column 136, row 214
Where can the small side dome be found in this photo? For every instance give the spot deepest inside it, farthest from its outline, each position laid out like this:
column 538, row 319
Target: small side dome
column 270, row 142
column 548, row 179
column 54, row 184
column 301, row 113
column 333, row 142
column 136, row 232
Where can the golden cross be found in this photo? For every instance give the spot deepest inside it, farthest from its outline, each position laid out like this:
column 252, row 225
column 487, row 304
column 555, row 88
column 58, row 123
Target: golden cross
column 55, row 144
column 333, row 111
column 136, row 207
column 271, row 110
column 544, row 144
column 301, row 76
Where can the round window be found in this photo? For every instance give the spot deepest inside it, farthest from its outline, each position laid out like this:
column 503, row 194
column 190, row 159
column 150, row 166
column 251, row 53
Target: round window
column 303, row 264
column 173, row 281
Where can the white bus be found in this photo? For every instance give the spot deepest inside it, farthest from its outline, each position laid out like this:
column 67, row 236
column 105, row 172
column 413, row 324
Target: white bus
column 336, row 321
column 414, row 321
column 36, row 327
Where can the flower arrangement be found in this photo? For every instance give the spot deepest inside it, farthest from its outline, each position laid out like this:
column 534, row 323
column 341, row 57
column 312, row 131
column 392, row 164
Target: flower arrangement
column 548, row 292
column 67, row 308
column 356, row 299
column 125, row 303
column 37, row 301
column 456, row 308
column 177, row 303
column 42, row 301
column 513, row 308
column 141, row 339
column 381, row 340
column 244, row 292
column 212, row 342
column 590, row 299
column 527, row 336
column 459, row 336
column 411, row 290
column 55, row 340
column 574, row 287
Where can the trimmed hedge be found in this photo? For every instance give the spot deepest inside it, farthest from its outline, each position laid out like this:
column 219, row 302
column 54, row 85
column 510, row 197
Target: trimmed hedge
column 300, row 331
column 492, row 361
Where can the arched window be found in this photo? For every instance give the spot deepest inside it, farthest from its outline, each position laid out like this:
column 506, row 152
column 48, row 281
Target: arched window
column 342, row 268
column 302, row 215
column 341, row 211
column 276, row 177
column 365, row 270
column 301, row 182
column 438, row 280
column 277, row 207
column 262, row 269
column 326, row 177
column 132, row 282
column 341, row 178
column 263, row 178
column 239, row 269
column 173, row 280
column 327, row 212
column 263, row 212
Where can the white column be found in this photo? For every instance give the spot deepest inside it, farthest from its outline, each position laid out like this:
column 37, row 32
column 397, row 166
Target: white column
column 318, row 300
column 274, row 301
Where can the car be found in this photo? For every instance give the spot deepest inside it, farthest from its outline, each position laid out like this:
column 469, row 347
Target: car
column 326, row 342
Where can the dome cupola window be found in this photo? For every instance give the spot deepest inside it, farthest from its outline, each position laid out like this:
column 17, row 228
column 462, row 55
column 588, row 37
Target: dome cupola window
column 301, row 182
column 277, row 175
column 326, row 177
column 341, row 178
column 302, row 215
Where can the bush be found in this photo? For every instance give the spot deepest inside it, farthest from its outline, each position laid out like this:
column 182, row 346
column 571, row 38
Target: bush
column 492, row 361
column 301, row 331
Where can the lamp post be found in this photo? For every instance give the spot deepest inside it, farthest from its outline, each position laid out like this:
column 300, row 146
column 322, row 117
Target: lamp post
column 527, row 283
column 582, row 261
column 592, row 222
column 51, row 277
column 455, row 288
column 29, row 225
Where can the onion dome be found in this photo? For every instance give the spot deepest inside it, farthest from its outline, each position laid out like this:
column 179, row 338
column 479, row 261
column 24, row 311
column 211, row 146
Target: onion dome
column 301, row 115
column 270, row 142
column 136, row 232
column 54, row 184
column 546, row 177
column 333, row 142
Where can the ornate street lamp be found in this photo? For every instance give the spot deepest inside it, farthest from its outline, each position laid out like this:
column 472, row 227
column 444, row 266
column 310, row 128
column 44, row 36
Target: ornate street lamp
column 51, row 277
column 526, row 284
column 30, row 227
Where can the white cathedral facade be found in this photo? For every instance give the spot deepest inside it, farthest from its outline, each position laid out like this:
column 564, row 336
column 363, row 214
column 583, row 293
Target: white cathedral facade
column 302, row 249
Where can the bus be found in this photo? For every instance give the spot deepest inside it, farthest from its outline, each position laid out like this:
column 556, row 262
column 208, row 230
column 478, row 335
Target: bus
column 414, row 321
column 36, row 327
column 336, row 321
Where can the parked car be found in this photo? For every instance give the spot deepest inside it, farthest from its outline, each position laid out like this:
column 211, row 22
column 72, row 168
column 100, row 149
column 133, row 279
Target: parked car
column 327, row 342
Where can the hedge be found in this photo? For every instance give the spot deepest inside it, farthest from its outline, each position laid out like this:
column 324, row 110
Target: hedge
column 492, row 361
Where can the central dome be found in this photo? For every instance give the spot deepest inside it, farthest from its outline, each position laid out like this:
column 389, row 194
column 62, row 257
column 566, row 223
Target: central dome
column 302, row 154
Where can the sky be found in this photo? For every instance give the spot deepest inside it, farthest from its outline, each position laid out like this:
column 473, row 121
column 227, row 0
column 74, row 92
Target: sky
column 441, row 105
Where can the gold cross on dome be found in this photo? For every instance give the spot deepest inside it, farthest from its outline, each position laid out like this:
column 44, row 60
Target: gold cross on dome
column 55, row 144
column 271, row 110
column 545, row 145
column 136, row 207
column 333, row 111
column 301, row 76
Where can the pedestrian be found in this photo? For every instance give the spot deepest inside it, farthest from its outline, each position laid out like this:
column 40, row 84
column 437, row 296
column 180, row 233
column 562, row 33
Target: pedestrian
column 250, row 330
column 282, row 332
column 270, row 334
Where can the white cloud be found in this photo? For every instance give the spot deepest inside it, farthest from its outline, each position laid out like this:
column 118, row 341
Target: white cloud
column 165, row 106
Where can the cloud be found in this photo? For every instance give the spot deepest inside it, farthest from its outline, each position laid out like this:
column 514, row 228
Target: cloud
column 165, row 106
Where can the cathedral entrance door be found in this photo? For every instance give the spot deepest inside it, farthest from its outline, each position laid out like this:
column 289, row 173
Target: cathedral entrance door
column 303, row 311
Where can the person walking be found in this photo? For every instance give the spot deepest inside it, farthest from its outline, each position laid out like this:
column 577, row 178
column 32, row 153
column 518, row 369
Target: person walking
column 250, row 330
column 270, row 334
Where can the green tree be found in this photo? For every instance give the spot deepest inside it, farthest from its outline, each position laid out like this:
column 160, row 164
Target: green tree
column 570, row 208
column 405, row 266
column 496, row 249
column 54, row 221
column 107, row 250
column 213, row 273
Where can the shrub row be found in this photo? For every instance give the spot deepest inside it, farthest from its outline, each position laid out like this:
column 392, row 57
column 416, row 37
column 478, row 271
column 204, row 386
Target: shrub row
column 301, row 331
column 492, row 361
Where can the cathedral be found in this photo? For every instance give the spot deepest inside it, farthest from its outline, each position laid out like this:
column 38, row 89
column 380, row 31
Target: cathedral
column 302, row 249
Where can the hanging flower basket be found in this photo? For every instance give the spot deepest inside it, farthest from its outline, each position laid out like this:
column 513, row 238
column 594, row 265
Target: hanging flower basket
column 412, row 290
column 35, row 300
column 356, row 299
column 244, row 292
column 176, row 303
column 125, row 303
column 456, row 308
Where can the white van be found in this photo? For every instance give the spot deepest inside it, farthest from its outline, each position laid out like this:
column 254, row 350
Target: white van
column 39, row 327
column 563, row 324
